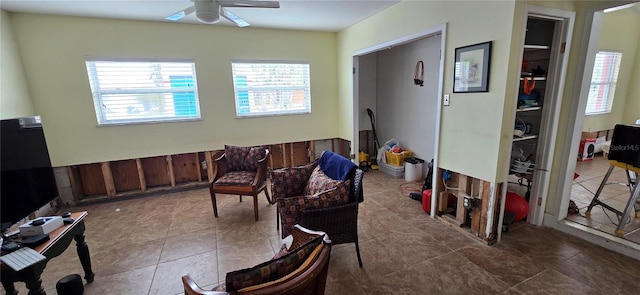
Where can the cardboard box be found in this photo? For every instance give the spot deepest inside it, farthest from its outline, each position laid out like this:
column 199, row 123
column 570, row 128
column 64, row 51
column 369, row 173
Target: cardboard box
column 589, row 135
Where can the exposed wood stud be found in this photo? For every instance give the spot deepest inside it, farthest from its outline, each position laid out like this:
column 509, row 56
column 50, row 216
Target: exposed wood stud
column 486, row 199
column 76, row 182
column 209, row 160
column 283, row 147
column 291, row 149
column 143, row 181
column 172, row 177
column 461, row 211
column 108, row 179
column 197, row 167
column 271, row 160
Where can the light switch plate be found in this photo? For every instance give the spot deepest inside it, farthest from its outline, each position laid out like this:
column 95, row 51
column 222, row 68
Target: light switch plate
column 446, row 99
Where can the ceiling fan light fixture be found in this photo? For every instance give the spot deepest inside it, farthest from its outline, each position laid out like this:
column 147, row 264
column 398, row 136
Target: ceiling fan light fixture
column 207, row 11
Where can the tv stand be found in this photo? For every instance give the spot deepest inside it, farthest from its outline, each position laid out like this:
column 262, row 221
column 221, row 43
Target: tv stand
column 59, row 241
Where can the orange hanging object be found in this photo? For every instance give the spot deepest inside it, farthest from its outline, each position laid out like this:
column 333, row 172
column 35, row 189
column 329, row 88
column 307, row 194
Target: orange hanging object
column 529, row 85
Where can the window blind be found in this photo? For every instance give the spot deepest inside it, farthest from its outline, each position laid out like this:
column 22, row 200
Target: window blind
column 143, row 90
column 603, row 82
column 271, row 88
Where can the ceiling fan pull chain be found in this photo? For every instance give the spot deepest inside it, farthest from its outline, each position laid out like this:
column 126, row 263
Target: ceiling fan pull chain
column 419, row 79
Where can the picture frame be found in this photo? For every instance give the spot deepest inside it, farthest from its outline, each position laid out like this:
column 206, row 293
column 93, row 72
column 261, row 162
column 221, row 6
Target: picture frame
column 472, row 64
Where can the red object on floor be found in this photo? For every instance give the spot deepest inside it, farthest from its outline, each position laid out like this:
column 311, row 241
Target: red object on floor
column 575, row 175
column 426, row 200
column 517, row 205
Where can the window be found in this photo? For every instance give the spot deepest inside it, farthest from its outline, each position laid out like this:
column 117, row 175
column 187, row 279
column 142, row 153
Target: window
column 143, row 90
column 603, row 82
column 271, row 88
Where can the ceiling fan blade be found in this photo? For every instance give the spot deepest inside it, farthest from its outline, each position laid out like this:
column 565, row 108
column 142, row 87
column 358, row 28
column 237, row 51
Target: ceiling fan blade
column 249, row 3
column 180, row 14
column 234, row 18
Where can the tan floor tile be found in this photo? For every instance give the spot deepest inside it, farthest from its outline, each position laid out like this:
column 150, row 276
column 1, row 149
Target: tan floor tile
column 144, row 246
column 552, row 282
column 167, row 278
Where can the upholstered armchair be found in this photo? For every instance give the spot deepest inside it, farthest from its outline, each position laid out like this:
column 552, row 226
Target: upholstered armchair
column 300, row 267
column 322, row 195
column 240, row 171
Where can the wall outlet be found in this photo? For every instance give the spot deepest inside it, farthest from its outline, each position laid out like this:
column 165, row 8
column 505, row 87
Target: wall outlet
column 446, row 99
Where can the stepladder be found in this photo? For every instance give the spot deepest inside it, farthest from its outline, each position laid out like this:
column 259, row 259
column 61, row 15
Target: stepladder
column 632, row 207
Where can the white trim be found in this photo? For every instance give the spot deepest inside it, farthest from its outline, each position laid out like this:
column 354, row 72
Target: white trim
column 270, row 61
column 436, row 30
column 94, row 58
column 355, row 86
column 403, row 40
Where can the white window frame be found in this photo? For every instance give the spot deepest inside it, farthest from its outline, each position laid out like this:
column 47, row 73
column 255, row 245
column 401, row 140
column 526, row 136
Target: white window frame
column 98, row 93
column 609, row 82
column 241, row 106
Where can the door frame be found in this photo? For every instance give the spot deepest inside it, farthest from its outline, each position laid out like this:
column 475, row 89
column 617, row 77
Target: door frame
column 442, row 31
column 556, row 76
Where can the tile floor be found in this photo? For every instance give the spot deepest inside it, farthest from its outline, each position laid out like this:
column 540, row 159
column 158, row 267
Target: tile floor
column 615, row 194
column 144, row 246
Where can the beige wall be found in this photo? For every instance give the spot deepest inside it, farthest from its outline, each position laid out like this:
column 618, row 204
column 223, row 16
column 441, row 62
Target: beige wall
column 15, row 100
column 620, row 31
column 470, row 132
column 53, row 50
column 632, row 109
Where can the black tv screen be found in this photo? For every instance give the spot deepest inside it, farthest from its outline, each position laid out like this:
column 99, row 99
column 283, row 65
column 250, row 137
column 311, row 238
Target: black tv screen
column 625, row 145
column 27, row 181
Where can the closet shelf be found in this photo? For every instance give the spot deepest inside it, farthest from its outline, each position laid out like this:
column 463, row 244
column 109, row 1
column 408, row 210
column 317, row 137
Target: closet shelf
column 528, row 109
column 536, row 78
column 536, row 47
column 524, row 138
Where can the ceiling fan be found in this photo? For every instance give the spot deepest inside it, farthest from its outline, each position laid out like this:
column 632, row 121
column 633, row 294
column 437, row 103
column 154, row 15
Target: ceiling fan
column 209, row 11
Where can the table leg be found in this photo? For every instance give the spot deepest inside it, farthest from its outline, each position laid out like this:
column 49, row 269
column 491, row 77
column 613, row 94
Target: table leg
column 9, row 288
column 85, row 259
column 35, row 286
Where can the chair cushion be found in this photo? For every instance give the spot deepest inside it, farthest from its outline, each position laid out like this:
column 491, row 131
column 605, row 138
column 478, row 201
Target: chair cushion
column 236, row 178
column 243, row 158
column 250, row 162
column 291, row 181
column 235, row 156
column 291, row 208
column 272, row 269
column 319, row 182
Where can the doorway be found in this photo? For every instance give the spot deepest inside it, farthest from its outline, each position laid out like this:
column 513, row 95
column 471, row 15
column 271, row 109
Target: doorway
column 383, row 83
column 557, row 216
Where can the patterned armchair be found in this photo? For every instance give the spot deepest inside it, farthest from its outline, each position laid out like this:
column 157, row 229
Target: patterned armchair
column 300, row 268
column 240, row 171
column 306, row 195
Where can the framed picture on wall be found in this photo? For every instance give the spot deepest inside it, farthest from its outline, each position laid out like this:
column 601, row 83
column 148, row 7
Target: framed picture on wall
column 471, row 73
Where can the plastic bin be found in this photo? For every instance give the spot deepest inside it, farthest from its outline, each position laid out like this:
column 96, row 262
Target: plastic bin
column 397, row 159
column 395, row 171
column 413, row 169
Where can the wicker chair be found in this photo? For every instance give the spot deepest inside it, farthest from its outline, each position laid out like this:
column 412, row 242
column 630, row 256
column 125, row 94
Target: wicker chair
column 338, row 220
column 240, row 171
column 308, row 278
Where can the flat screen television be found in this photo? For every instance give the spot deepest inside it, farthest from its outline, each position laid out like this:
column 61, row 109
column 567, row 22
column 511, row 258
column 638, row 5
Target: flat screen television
column 625, row 145
column 27, row 182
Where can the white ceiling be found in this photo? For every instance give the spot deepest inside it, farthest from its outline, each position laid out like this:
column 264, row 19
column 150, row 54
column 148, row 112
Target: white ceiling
column 314, row 15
